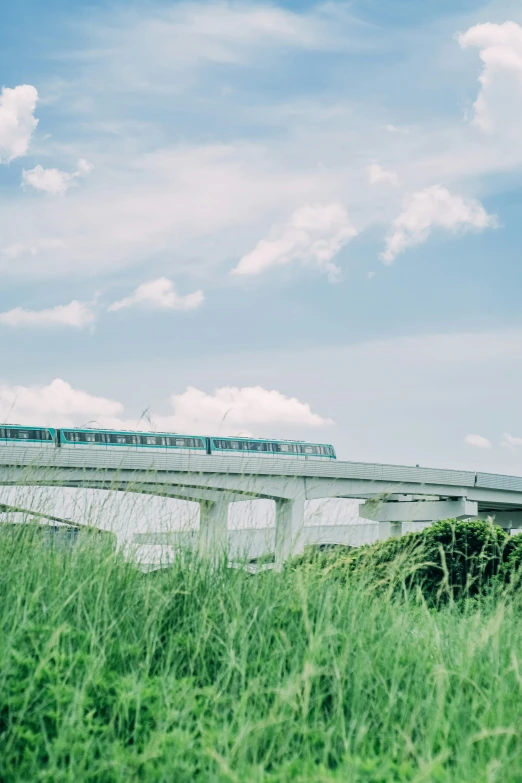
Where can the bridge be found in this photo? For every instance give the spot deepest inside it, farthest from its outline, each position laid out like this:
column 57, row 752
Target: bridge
column 392, row 495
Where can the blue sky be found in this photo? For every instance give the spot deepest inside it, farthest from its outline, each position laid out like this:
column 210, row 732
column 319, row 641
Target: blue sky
column 304, row 216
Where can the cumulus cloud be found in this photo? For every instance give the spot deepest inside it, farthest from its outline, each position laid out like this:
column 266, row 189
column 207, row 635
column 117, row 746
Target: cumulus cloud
column 234, row 410
column 377, row 174
column 499, row 102
column 228, row 410
column 54, row 181
column 58, row 404
column 76, row 314
column 17, row 120
column 478, row 441
column 313, row 235
column 433, row 207
column 159, row 294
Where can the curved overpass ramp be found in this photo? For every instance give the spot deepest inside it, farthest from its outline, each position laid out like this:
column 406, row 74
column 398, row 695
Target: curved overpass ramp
column 394, row 494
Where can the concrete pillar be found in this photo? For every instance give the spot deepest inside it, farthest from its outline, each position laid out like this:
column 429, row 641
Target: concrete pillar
column 509, row 520
column 389, row 530
column 213, row 529
column 289, row 524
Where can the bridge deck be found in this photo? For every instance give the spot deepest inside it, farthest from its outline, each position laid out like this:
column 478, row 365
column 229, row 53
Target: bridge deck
column 96, row 458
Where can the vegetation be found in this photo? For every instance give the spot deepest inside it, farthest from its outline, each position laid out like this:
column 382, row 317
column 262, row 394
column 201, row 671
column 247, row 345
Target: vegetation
column 399, row 662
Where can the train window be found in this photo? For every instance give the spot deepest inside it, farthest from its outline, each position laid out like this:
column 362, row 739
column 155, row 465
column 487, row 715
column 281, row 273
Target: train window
column 309, row 450
column 7, row 433
column 90, row 437
column 153, row 440
column 188, row 443
column 253, row 446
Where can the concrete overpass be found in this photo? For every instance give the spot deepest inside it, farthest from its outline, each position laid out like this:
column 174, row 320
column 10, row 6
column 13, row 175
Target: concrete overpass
column 393, row 494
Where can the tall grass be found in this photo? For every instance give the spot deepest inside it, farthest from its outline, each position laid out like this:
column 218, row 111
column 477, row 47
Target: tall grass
column 199, row 674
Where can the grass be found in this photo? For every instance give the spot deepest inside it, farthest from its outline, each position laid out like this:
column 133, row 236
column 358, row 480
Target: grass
column 193, row 674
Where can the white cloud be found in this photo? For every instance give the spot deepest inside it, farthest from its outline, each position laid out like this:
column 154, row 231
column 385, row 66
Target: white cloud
column 18, row 249
column 55, row 404
column 204, row 204
column 234, row 410
column 314, row 235
column 54, row 181
column 160, row 294
column 433, row 207
column 511, row 441
column 173, row 201
column 76, row 314
column 378, row 174
column 396, row 129
column 228, row 410
column 17, row 120
column 499, row 102
column 147, row 47
column 478, row 441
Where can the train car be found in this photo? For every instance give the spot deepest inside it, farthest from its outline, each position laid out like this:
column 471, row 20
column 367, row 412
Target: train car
column 72, row 437
column 194, row 444
column 163, row 441
column 271, row 448
column 28, row 436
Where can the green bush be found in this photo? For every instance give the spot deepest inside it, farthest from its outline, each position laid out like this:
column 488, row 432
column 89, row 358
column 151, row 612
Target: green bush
column 450, row 560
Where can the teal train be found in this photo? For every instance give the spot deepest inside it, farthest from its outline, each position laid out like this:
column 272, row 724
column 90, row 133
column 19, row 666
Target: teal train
column 164, row 441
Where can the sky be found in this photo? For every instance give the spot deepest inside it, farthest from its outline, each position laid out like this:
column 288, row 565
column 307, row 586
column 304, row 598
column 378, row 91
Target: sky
column 288, row 219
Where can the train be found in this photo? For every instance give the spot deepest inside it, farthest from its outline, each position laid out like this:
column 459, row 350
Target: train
column 70, row 437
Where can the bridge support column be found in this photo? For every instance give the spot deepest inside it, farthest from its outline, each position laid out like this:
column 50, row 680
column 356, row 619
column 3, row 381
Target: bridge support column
column 389, row 530
column 288, row 533
column 509, row 520
column 213, row 529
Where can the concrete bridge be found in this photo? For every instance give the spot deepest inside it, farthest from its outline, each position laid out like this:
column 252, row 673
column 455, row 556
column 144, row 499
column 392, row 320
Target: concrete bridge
column 393, row 494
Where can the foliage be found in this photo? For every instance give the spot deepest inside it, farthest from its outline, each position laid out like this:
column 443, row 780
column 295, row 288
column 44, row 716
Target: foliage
column 211, row 674
column 448, row 561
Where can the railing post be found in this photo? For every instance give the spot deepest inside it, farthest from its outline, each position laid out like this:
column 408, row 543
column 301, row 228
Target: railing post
column 289, row 524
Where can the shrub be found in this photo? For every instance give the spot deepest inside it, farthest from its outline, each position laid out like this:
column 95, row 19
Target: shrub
column 448, row 561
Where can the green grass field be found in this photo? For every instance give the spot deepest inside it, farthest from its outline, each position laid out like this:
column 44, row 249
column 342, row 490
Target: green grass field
column 192, row 674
